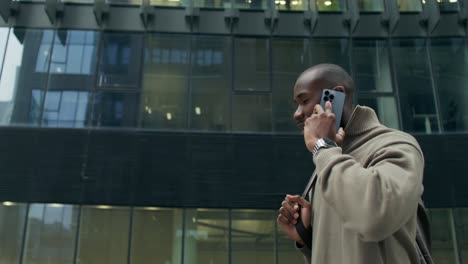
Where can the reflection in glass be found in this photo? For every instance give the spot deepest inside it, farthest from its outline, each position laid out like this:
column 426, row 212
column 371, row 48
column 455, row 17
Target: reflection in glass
column 165, row 93
column 3, row 41
column 417, row 101
column 287, row 252
column 251, row 4
column 72, row 70
column 371, row 66
column 120, row 60
column 449, row 56
column 371, row 5
column 330, row 5
column 211, row 79
column 103, row 236
column 181, row 3
column 251, row 112
column 330, row 51
column 409, row 5
column 251, row 64
column 291, row 5
column 290, row 57
column 212, row 4
column 50, row 235
column 12, row 217
column 206, row 236
column 448, row 5
column 443, row 236
column 125, row 2
column 462, row 232
column 115, row 109
column 78, row 1
column 156, row 235
column 25, row 64
column 385, row 108
column 253, row 238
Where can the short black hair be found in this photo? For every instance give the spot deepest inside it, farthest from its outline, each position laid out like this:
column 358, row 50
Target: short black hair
column 332, row 74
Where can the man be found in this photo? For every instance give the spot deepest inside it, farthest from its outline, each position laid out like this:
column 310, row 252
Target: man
column 364, row 202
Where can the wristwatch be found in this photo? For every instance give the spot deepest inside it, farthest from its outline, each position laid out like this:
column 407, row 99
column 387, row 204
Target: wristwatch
column 323, row 143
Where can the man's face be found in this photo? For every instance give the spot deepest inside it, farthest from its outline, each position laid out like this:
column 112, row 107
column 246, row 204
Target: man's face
column 306, row 96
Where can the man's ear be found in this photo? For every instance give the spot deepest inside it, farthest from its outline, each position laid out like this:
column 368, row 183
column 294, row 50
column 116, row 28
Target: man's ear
column 339, row 89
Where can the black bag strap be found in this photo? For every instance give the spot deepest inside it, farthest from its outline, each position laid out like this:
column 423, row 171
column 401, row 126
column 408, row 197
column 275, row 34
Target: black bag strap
column 306, row 235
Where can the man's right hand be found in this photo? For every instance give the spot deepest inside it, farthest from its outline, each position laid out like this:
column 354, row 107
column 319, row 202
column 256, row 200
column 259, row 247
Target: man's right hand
column 289, row 215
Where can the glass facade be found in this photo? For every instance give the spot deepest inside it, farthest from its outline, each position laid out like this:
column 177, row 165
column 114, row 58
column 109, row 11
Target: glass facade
column 410, row 5
column 61, row 233
column 79, row 79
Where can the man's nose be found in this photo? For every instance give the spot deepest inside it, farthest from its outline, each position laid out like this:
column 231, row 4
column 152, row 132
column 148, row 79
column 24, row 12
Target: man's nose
column 299, row 114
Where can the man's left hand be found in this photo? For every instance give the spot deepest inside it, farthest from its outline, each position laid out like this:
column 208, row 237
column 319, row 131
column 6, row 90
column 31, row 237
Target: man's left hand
column 321, row 124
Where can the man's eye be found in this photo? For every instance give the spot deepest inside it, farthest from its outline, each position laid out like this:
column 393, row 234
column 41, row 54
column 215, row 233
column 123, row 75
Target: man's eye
column 305, row 101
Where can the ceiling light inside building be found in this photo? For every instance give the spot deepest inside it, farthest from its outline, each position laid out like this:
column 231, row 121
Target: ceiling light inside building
column 104, row 207
column 149, row 208
column 56, row 205
column 198, row 110
column 59, row 69
column 295, row 2
column 8, row 203
column 282, row 2
column 277, row 2
column 328, row 3
column 169, row 116
column 453, row 1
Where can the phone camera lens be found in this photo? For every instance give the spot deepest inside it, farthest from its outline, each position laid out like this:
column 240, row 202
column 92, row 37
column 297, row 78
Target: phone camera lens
column 332, row 97
column 327, row 92
column 325, row 98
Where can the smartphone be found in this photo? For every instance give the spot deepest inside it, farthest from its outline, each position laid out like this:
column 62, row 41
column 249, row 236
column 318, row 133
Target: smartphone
column 337, row 99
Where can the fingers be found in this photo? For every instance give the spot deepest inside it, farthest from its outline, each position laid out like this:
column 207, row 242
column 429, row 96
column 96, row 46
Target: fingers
column 318, row 109
column 288, row 211
column 340, row 136
column 299, row 200
column 328, row 107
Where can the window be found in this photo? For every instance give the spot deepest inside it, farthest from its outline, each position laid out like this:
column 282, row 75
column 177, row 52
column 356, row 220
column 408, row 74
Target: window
column 330, row 5
column 251, row 112
column 287, row 252
column 450, row 69
column 448, row 5
column 291, row 5
column 12, row 218
column 120, row 60
column 251, row 4
column 409, row 5
column 3, row 41
column 290, row 58
column 169, row 3
column 157, row 235
column 206, row 236
column 50, row 234
column 104, row 234
column 24, row 76
column 125, row 2
column 443, row 236
column 73, row 64
column 371, row 5
column 212, row 4
column 330, row 51
column 251, row 64
column 385, row 107
column 211, row 83
column 115, row 109
column 253, row 236
column 371, row 66
column 462, row 224
column 417, row 103
column 165, row 92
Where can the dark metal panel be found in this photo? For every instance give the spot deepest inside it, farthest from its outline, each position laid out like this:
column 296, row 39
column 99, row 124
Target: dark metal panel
column 449, row 26
column 292, row 24
column 79, row 17
column 124, row 18
column 212, row 22
column 170, row 20
column 410, row 26
column 370, row 25
column 252, row 23
column 331, row 25
column 32, row 15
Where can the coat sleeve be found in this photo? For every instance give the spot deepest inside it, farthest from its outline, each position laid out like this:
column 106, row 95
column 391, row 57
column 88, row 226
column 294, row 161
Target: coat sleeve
column 377, row 200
